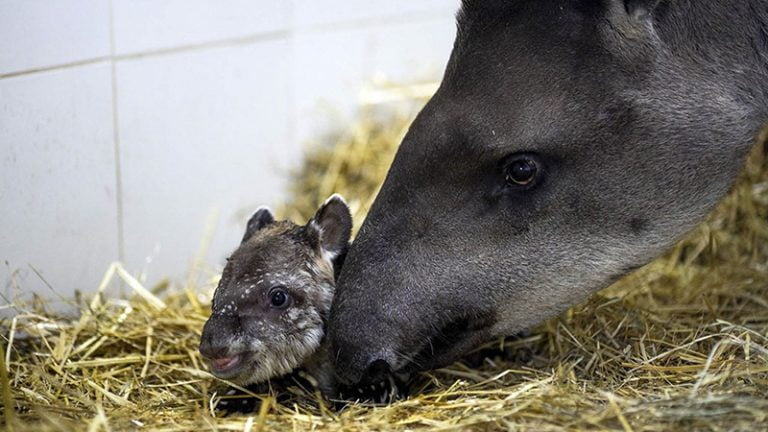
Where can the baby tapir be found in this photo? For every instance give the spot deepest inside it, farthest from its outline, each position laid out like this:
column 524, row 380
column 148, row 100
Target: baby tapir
column 270, row 308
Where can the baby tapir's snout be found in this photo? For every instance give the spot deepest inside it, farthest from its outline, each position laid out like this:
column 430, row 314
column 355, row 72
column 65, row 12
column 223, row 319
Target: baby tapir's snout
column 216, row 343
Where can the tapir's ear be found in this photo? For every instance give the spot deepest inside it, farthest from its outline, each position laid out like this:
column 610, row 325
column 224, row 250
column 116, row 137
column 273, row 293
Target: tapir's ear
column 333, row 225
column 259, row 220
column 636, row 10
column 627, row 29
column 640, row 9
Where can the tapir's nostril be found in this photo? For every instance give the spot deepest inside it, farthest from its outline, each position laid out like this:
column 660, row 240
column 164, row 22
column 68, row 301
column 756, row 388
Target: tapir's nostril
column 377, row 371
column 211, row 351
column 212, row 344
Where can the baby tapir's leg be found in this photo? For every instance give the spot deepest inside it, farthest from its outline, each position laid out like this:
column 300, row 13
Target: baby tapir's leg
column 285, row 389
column 384, row 392
column 236, row 401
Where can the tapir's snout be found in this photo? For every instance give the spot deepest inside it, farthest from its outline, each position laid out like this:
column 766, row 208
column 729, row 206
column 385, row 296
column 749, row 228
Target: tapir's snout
column 353, row 368
column 216, row 344
column 374, row 335
column 363, row 354
column 368, row 354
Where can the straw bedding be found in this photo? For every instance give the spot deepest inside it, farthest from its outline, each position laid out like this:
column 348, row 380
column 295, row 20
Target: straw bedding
column 681, row 344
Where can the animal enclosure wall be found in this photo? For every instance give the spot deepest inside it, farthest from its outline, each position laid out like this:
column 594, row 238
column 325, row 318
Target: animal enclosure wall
column 127, row 126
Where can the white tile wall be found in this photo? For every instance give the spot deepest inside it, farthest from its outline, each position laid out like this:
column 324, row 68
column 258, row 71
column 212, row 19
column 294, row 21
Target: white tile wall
column 328, row 82
column 145, row 25
column 214, row 103
column 411, row 50
column 324, row 77
column 200, row 131
column 37, row 33
column 57, row 178
column 310, row 13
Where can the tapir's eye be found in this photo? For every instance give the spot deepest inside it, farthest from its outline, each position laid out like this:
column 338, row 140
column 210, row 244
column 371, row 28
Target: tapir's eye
column 278, row 297
column 521, row 171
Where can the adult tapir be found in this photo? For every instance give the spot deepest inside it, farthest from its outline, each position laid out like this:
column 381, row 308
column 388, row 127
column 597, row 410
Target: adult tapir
column 570, row 142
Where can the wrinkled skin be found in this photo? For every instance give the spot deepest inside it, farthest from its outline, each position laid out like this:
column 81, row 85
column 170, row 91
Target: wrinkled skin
column 637, row 118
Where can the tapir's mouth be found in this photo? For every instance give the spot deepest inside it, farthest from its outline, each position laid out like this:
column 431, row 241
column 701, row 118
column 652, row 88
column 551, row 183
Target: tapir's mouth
column 455, row 339
column 226, row 367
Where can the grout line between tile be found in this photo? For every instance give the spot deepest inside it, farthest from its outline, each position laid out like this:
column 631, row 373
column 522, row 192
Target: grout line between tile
column 69, row 65
column 222, row 43
column 368, row 22
column 116, row 141
column 290, row 84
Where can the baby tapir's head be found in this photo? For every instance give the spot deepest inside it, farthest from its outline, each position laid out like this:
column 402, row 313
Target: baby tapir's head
column 269, row 310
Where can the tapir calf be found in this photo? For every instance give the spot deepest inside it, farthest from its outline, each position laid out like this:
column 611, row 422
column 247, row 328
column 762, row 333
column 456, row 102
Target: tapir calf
column 570, row 142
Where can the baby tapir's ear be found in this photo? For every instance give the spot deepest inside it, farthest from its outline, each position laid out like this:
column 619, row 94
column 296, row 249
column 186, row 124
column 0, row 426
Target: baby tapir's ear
column 333, row 224
column 259, row 220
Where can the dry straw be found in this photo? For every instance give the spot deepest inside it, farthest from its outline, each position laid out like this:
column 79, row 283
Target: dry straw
column 681, row 344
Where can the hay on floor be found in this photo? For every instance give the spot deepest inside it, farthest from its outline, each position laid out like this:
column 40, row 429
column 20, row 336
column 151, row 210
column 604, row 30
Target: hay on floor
column 681, row 344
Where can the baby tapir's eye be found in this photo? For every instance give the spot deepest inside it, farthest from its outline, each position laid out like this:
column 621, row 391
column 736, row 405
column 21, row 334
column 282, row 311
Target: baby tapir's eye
column 278, row 297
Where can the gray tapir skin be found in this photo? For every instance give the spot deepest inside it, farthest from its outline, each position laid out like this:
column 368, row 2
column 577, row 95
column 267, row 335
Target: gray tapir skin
column 634, row 116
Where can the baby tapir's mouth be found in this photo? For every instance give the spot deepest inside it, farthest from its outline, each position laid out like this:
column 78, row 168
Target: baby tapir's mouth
column 223, row 365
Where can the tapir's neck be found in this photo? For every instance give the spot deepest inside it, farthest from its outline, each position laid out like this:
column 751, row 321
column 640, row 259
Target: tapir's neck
column 756, row 61
column 725, row 38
